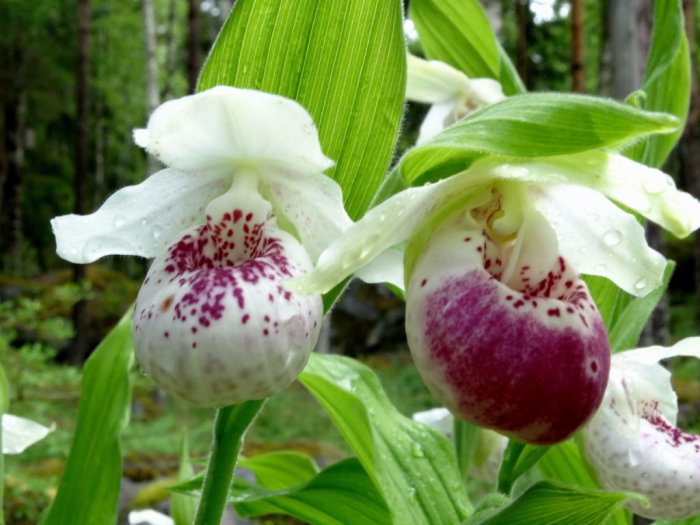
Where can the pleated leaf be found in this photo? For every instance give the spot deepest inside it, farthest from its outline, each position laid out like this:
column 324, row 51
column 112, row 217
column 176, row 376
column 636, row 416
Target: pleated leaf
column 555, row 503
column 458, row 33
column 412, row 466
column 89, row 489
column 344, row 61
column 533, row 125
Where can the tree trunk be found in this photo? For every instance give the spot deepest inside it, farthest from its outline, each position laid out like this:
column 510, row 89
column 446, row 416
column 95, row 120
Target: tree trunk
column 79, row 348
column 578, row 79
column 193, row 43
column 170, row 47
column 152, row 98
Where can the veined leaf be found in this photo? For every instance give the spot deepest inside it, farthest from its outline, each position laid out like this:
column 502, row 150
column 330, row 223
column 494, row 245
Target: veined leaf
column 344, row 61
column 532, row 125
column 458, row 33
column 563, row 462
column 340, row 494
column 666, row 81
column 555, row 503
column 413, row 466
column 89, row 490
column 281, row 470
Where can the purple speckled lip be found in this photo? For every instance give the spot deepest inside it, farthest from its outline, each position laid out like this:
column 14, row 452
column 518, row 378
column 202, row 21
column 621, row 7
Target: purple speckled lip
column 213, row 323
column 529, row 359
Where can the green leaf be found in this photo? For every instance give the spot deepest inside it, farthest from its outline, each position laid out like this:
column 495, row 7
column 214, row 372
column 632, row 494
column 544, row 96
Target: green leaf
column 628, row 327
column 563, row 462
column 413, row 466
column 89, row 489
column 667, row 79
column 340, row 494
column 532, row 125
column 610, row 300
column 183, row 508
column 344, row 61
column 458, row 33
column 518, row 458
column 281, row 470
column 4, row 391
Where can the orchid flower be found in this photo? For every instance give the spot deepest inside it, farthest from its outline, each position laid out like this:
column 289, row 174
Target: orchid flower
column 242, row 206
column 633, row 443
column 453, row 94
column 501, row 326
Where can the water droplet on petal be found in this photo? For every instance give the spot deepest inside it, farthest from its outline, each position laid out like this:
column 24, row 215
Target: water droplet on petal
column 157, row 231
column 592, row 217
column 654, row 184
column 144, row 222
column 640, row 284
column 612, row 237
column 599, row 267
column 119, row 221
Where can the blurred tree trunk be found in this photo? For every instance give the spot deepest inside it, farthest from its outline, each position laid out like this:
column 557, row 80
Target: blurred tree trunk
column 79, row 348
column 170, row 47
column 578, row 78
column 523, row 19
column 193, row 43
column 690, row 141
column 152, row 98
column 13, row 97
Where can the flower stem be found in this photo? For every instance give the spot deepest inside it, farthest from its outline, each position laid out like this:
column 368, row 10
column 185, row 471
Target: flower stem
column 229, row 426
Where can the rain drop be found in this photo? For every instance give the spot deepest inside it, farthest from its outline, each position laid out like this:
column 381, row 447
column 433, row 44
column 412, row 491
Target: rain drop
column 654, row 185
column 144, row 222
column 157, row 231
column 640, row 284
column 599, row 267
column 119, row 221
column 612, row 237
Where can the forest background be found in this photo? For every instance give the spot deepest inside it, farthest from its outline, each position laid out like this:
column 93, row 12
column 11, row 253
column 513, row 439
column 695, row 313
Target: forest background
column 76, row 76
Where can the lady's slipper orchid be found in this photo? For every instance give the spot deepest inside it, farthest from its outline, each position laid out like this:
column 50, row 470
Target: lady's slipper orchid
column 453, row 94
column 633, row 443
column 242, row 206
column 501, row 326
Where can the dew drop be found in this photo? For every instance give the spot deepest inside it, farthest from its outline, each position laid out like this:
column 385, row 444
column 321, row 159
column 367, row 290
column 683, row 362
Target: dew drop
column 640, row 284
column 119, row 221
column 592, row 217
column 599, row 267
column 157, row 231
column 144, row 222
column 612, row 237
column 654, row 185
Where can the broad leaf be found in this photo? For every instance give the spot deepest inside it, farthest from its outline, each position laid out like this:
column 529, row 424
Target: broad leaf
column 667, row 79
column 340, row 494
column 532, row 125
column 412, row 465
column 344, row 61
column 458, row 33
column 281, row 470
column 563, row 462
column 89, row 490
column 559, row 504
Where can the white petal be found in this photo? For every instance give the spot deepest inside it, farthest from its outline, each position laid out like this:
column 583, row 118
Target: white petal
column 149, row 517
column 646, row 190
column 226, row 127
column 314, row 205
column 437, row 119
column 484, row 91
column 138, row 220
column 387, row 267
column 598, row 238
column 18, row 433
column 632, row 442
column 438, row 418
column 433, row 82
column 386, row 225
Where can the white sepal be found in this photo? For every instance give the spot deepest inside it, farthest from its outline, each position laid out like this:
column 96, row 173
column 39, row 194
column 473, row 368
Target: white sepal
column 19, row 433
column 138, row 220
column 433, row 82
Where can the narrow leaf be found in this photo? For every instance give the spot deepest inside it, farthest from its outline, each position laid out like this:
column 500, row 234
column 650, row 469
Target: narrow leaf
column 183, row 508
column 412, row 465
column 344, row 61
column 532, row 125
column 89, row 490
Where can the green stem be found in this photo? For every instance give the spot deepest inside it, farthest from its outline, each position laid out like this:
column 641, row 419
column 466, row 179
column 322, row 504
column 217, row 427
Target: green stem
column 230, row 424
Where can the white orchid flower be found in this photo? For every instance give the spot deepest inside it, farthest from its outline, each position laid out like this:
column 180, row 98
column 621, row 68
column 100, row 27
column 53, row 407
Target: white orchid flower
column 633, row 443
column 18, row 433
column 499, row 323
column 453, row 94
column 242, row 206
